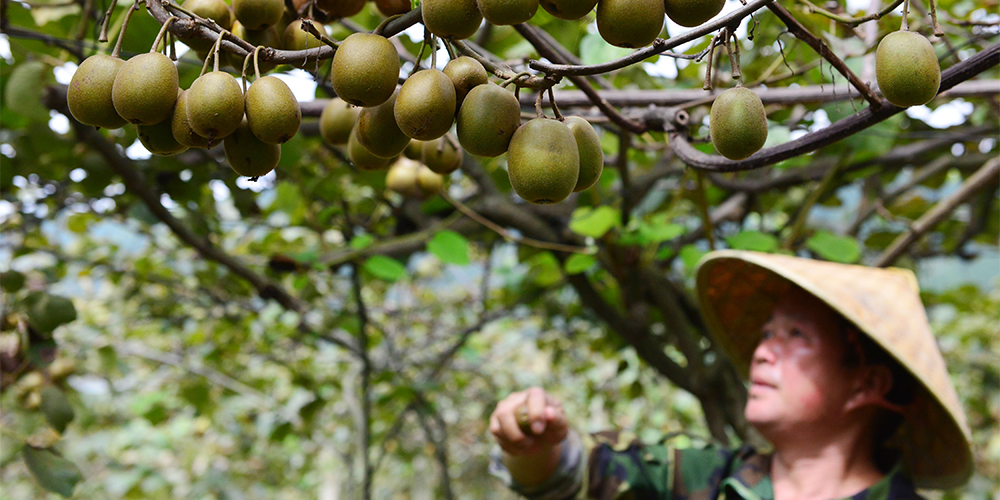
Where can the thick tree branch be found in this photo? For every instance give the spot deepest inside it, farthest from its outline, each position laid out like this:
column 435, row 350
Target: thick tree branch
column 985, row 176
column 679, row 142
column 802, row 33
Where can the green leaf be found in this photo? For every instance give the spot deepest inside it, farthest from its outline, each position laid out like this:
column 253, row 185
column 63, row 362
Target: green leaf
column 690, row 254
column 56, row 408
column 361, row 242
column 53, row 472
column 578, row 263
column 753, row 240
column 594, row 221
column 385, row 268
column 656, row 233
column 48, row 312
column 836, row 248
column 450, row 247
column 77, row 223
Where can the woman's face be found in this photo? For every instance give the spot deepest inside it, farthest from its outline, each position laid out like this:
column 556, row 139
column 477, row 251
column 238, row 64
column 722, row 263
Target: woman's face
column 797, row 377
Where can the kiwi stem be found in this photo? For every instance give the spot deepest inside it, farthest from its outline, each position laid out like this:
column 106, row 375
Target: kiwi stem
column 121, row 35
column 711, row 61
column 514, row 78
column 735, row 59
column 934, row 19
column 552, row 102
column 381, row 27
column 309, row 27
column 173, row 47
column 163, row 30
column 434, row 51
column 538, row 105
column 256, row 63
column 906, row 14
column 103, row 37
column 420, row 53
column 450, row 49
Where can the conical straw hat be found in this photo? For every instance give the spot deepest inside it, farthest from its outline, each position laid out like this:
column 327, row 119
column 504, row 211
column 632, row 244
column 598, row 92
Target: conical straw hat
column 738, row 291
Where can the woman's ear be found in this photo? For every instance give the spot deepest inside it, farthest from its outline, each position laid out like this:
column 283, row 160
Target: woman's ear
column 873, row 383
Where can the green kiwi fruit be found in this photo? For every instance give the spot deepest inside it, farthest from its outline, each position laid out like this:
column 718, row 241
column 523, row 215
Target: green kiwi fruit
column 465, row 73
column 258, row 14
column 456, row 19
column 738, row 123
column 340, row 8
column 390, row 8
column 691, row 13
column 428, row 181
column 217, row 11
column 588, row 144
column 507, row 12
column 362, row 158
column 630, row 23
column 415, row 150
column 145, row 89
column 248, row 155
column 267, row 37
column 272, row 111
column 425, row 106
column 378, row 131
column 158, row 139
column 365, row 69
column 402, row 178
column 543, row 161
column 295, row 38
column 215, row 105
column 89, row 93
column 569, row 10
column 441, row 156
column 907, row 69
column 337, row 121
column 180, row 127
column 487, row 120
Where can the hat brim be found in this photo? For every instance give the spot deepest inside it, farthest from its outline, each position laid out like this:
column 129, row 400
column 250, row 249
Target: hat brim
column 738, row 291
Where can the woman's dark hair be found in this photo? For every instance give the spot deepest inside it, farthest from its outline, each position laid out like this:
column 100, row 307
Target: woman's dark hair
column 861, row 350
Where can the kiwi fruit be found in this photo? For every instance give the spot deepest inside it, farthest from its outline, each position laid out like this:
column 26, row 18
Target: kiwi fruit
column 272, row 111
column 295, row 38
column 267, row 37
column 428, row 181
column 89, row 93
column 362, row 158
column 630, row 23
column 425, row 106
column 390, row 8
column 258, row 14
column 365, row 69
column 465, row 73
column 402, row 178
column 487, row 120
column 441, row 156
column 337, row 121
column 588, row 144
column 456, row 19
column 378, row 131
column 738, row 123
column 507, row 12
column 145, row 89
column 569, row 10
column 215, row 105
column 248, row 155
column 180, row 127
column 691, row 13
column 907, row 70
column 340, row 8
column 216, row 10
column 158, row 139
column 415, row 150
column 543, row 161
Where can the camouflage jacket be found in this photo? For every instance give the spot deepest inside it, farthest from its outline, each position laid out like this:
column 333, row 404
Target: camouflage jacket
column 676, row 468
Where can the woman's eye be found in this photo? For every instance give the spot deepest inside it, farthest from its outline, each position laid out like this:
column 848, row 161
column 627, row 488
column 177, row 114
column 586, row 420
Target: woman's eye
column 796, row 333
column 766, row 334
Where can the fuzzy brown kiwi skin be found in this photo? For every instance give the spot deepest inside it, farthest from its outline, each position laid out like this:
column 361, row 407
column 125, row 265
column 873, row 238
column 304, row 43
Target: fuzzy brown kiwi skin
column 591, row 155
column 569, row 10
column 507, row 12
column 248, row 155
column 362, row 158
column 337, row 121
column 258, row 14
column 630, row 23
column 365, row 69
column 425, row 106
column 215, row 105
column 181, row 128
column 487, row 120
column 145, row 89
column 272, row 111
column 543, row 161
column 378, row 131
column 691, row 13
column 465, row 73
column 738, row 123
column 907, row 69
column 441, row 156
column 458, row 19
column 159, row 139
column 89, row 93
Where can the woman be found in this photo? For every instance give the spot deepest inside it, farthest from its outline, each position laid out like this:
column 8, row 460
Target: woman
column 845, row 382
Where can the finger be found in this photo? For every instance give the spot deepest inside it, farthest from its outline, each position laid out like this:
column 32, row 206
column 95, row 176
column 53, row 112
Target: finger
column 536, row 409
column 512, row 437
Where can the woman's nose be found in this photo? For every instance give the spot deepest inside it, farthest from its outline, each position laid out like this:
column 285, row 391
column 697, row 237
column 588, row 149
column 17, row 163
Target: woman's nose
column 767, row 351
